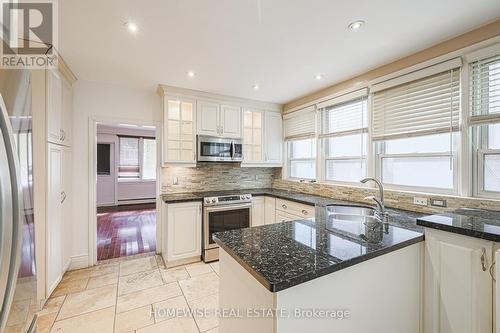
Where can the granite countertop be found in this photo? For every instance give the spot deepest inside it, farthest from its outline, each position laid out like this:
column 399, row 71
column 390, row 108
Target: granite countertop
column 398, row 217
column 286, row 254
column 478, row 223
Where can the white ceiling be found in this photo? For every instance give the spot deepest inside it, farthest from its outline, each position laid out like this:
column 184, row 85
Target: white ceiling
column 232, row 45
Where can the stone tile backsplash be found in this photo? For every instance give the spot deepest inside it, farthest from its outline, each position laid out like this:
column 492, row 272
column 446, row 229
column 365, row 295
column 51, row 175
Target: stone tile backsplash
column 215, row 177
column 394, row 199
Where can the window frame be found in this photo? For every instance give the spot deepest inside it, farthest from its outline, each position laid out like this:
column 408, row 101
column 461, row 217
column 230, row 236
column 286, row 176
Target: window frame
column 140, row 153
column 323, row 159
column 422, row 189
column 288, row 161
column 481, row 138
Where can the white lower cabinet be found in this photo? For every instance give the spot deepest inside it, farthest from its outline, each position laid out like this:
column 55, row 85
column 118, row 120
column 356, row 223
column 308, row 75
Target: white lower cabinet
column 270, row 210
column 258, row 211
column 182, row 231
column 458, row 293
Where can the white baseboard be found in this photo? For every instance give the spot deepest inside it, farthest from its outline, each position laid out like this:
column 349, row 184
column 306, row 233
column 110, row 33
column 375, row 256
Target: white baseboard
column 79, row 261
column 136, row 201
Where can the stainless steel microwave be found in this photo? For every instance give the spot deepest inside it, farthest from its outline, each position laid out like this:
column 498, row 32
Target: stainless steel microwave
column 215, row 149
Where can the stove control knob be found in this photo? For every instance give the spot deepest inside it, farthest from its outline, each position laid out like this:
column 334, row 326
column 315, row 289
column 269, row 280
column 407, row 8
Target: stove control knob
column 207, row 200
column 249, row 197
column 214, row 200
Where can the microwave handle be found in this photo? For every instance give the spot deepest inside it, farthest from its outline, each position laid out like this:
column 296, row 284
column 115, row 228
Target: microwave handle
column 232, row 150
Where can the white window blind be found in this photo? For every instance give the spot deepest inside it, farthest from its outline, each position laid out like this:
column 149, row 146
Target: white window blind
column 427, row 105
column 300, row 124
column 484, row 85
column 349, row 117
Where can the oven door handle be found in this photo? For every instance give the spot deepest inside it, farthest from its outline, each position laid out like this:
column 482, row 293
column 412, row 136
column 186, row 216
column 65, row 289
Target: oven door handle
column 210, row 209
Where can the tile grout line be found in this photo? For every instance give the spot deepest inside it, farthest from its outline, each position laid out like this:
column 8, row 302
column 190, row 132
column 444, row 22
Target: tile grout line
column 116, row 298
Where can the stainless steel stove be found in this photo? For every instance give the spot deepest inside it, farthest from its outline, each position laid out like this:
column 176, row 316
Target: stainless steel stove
column 223, row 213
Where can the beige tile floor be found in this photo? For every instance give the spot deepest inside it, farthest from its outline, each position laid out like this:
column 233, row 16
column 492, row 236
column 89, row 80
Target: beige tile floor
column 133, row 295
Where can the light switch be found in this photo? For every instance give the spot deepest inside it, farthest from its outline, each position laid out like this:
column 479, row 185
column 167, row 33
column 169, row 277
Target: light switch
column 175, row 180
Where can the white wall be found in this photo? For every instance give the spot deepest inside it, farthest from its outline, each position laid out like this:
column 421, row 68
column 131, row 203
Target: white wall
column 102, row 102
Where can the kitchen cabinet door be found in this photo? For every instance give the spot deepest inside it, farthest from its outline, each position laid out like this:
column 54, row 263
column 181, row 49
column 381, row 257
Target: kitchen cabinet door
column 208, row 118
column 458, row 285
column 273, row 139
column 54, row 217
column 258, row 211
column 66, row 206
column 270, row 210
column 179, row 138
column 230, row 121
column 54, row 106
column 183, row 231
column 66, row 113
column 253, row 134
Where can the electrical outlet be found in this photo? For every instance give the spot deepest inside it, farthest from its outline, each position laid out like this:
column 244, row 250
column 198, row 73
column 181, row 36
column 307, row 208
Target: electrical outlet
column 175, row 180
column 439, row 203
column 420, row 201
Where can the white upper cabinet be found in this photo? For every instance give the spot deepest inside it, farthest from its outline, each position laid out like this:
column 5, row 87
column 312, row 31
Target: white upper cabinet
column 215, row 119
column 54, row 106
column 253, row 133
column 179, row 138
column 59, row 108
column 274, row 138
column 230, row 121
column 67, row 112
column 208, row 117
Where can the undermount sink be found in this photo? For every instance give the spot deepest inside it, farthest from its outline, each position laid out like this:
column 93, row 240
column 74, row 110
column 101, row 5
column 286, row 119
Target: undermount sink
column 359, row 222
column 351, row 210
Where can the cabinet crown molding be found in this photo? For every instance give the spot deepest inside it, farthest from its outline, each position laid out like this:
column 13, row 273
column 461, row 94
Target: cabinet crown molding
column 165, row 90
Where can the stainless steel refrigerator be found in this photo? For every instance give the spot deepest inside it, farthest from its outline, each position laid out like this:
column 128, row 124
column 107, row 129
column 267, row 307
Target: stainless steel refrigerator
column 17, row 226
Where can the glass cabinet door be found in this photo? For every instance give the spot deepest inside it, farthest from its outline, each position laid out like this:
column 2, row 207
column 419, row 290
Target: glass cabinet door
column 179, row 123
column 252, row 136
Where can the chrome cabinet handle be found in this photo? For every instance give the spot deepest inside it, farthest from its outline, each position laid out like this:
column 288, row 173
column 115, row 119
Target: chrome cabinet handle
column 63, row 196
column 284, row 206
column 305, row 212
column 61, row 135
column 491, row 271
column 483, row 259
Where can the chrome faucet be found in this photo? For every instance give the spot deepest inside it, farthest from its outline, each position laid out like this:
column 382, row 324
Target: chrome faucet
column 379, row 201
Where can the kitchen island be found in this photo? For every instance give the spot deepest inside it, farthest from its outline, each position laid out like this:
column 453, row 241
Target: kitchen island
column 310, row 276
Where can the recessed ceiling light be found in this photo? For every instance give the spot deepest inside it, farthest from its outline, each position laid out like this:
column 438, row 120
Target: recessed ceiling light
column 318, row 76
column 191, row 74
column 356, row 25
column 132, row 27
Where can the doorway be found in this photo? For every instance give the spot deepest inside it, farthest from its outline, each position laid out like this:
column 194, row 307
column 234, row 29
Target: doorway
column 126, row 183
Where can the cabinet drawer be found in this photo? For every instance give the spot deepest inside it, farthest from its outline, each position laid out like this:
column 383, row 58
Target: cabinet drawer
column 283, row 217
column 295, row 208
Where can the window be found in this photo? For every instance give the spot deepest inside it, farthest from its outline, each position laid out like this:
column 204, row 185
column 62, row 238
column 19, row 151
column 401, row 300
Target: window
column 344, row 128
column 424, row 161
column 415, row 125
column 137, row 158
column 149, row 159
column 129, row 158
column 302, row 159
column 300, row 140
column 484, row 101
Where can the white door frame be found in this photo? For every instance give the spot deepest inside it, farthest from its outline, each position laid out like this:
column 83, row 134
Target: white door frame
column 93, row 121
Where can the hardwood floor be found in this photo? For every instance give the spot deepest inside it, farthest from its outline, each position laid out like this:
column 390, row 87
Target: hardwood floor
column 123, row 233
